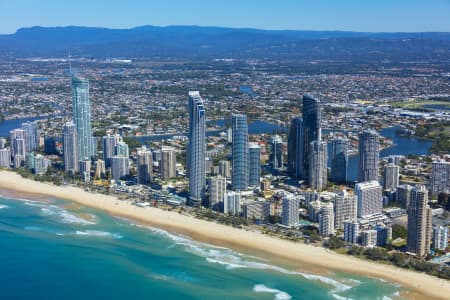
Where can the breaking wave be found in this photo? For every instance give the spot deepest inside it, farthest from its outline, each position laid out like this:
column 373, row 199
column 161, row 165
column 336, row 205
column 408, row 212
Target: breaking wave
column 279, row 295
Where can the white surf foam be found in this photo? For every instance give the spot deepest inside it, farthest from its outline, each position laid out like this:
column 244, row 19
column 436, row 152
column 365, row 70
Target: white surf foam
column 65, row 216
column 3, row 206
column 233, row 260
column 98, row 233
column 279, row 295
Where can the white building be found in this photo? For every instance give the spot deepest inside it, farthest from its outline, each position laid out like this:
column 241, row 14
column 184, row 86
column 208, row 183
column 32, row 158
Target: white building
column 351, row 231
column 167, row 167
column 119, row 167
column 232, row 204
column 258, row 210
column 345, row 208
column 370, row 199
column 5, row 158
column 326, row 220
column 369, row 238
column 391, row 176
column 217, row 190
column 440, row 237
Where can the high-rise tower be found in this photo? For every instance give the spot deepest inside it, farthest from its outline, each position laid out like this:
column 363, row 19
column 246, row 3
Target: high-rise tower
column 339, row 160
column 419, row 222
column 196, row 149
column 311, row 128
column 295, row 149
column 369, row 155
column 82, row 117
column 70, row 147
column 254, row 164
column 240, row 154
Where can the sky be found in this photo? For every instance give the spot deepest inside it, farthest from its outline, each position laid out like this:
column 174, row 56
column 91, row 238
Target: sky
column 351, row 15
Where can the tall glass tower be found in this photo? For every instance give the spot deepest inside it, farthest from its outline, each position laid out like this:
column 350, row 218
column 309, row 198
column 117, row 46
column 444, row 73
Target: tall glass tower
column 339, row 160
column 70, row 147
column 311, row 128
column 254, row 151
column 240, row 153
column 295, row 150
column 369, row 155
column 82, row 117
column 196, row 149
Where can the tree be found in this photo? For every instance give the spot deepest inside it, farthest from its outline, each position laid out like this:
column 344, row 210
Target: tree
column 398, row 231
column 334, row 243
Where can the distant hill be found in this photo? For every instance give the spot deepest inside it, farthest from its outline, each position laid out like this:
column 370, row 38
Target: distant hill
column 194, row 42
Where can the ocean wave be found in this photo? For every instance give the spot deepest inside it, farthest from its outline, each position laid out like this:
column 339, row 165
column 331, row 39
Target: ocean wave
column 279, row 295
column 98, row 233
column 3, row 206
column 65, row 216
column 234, row 260
column 336, row 296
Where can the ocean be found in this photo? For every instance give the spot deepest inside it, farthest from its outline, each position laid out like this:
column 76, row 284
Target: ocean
column 58, row 250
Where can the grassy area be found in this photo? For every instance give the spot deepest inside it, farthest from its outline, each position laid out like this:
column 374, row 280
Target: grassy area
column 420, row 105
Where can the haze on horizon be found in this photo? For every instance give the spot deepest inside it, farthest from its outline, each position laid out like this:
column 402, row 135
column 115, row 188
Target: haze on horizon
column 351, row 15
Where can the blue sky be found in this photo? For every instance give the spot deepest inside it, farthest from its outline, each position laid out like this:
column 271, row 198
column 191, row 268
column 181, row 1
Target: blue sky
column 355, row 15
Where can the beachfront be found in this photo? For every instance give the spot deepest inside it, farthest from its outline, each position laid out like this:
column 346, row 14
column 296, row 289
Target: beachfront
column 424, row 286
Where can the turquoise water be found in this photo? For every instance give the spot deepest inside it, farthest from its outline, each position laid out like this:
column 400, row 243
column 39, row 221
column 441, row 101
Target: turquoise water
column 58, row 251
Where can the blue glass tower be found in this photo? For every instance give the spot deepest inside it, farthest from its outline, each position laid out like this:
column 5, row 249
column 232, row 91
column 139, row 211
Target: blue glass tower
column 82, row 117
column 196, row 149
column 240, row 153
column 295, row 148
column 369, row 155
column 311, row 128
column 254, row 172
column 339, row 160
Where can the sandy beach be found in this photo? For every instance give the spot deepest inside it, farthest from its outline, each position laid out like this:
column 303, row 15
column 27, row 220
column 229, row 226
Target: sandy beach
column 422, row 286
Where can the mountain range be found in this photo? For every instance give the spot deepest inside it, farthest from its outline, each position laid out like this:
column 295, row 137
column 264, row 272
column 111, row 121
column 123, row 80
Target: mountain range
column 194, row 42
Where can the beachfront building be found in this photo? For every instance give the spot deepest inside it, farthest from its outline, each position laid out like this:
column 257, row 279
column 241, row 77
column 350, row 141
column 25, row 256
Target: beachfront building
column 217, row 187
column 81, row 110
column 100, row 169
column 109, row 148
column 295, row 149
column 440, row 237
column 351, row 231
column 391, row 177
column 276, row 152
column 168, row 163
column 232, row 203
column 70, row 148
column 310, row 129
column 257, row 210
column 440, row 177
column 290, row 213
column 240, row 152
column 369, row 155
column 85, row 170
column 419, row 222
column 144, row 165
column 339, row 160
column 326, row 219
column 196, row 149
column 119, row 167
column 317, row 177
column 5, row 158
column 254, row 172
column 345, row 208
column 370, row 199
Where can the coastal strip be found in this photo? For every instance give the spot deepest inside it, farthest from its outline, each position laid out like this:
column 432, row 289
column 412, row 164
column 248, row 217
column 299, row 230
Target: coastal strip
column 423, row 286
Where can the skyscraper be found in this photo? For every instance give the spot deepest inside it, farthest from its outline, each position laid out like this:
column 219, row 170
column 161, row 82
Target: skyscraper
column 276, row 152
column 339, row 160
column 240, row 154
column 295, row 149
column 311, row 128
column 196, row 149
column 5, row 157
column 290, row 213
column 85, row 170
column 122, row 149
column 31, row 136
column 404, row 195
column 217, row 189
column 82, row 116
column 369, row 155
column 317, row 177
column 326, row 219
column 18, row 146
column 232, row 204
column 168, row 163
column 419, row 222
column 70, row 147
column 345, row 208
column 109, row 145
column 391, row 176
column 144, row 165
column 370, row 200
column 440, row 177
column 119, row 167
column 225, row 168
column 254, row 164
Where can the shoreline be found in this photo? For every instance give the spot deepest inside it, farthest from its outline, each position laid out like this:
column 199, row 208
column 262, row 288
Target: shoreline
column 296, row 255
